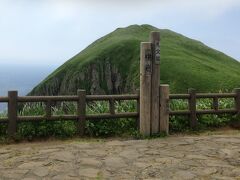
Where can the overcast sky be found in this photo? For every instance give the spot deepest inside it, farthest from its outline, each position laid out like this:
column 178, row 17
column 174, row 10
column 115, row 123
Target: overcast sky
column 52, row 31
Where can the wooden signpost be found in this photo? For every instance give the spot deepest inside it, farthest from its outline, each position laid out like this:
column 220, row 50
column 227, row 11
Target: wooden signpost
column 145, row 87
column 155, row 41
column 154, row 110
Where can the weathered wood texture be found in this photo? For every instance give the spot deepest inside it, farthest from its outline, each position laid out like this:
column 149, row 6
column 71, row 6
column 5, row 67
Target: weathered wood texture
column 12, row 113
column 145, row 87
column 188, row 112
column 164, row 108
column 48, row 109
column 81, row 111
column 215, row 103
column 111, row 106
column 155, row 40
column 237, row 101
column 138, row 110
column 192, row 108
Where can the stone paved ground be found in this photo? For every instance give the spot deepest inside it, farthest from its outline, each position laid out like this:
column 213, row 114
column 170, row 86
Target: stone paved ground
column 182, row 157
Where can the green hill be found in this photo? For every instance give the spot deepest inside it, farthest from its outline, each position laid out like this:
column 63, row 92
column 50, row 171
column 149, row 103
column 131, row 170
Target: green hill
column 111, row 65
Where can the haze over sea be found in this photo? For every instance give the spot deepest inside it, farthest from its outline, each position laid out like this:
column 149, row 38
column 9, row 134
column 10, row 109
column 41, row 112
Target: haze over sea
column 22, row 78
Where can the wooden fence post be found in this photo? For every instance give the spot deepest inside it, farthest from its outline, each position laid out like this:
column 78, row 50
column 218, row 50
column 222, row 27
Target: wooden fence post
column 81, row 111
column 145, row 87
column 237, row 100
column 215, row 104
column 138, row 110
column 164, row 108
column 112, row 106
column 48, row 109
column 12, row 113
column 192, row 108
column 155, row 40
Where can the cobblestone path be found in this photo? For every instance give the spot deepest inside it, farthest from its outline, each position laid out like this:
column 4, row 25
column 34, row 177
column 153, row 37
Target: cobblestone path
column 182, row 157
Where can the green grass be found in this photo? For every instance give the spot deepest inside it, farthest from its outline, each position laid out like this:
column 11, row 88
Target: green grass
column 185, row 63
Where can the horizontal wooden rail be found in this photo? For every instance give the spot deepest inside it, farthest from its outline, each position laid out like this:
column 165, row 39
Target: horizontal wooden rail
column 110, row 97
column 203, row 95
column 220, row 111
column 73, row 117
column 216, row 95
column 72, row 98
column 179, row 96
column 3, row 120
column 46, row 98
column 52, row 118
column 179, row 112
column 109, row 116
column 3, row 99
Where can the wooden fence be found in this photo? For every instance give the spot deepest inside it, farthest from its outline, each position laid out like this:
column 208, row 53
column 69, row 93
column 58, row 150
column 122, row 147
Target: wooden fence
column 192, row 97
column 82, row 99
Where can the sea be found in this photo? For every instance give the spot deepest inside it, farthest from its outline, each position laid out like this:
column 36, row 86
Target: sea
column 22, row 78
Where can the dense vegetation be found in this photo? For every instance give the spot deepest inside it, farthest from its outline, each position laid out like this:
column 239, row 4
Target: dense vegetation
column 111, row 65
column 117, row 127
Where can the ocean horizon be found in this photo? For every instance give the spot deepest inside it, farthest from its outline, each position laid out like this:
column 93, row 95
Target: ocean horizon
column 22, row 78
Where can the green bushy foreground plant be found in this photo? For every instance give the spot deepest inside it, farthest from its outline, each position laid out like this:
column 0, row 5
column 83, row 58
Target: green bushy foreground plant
column 111, row 127
column 66, row 128
column 181, row 123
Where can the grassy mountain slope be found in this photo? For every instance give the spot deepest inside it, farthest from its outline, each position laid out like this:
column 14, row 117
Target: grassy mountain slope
column 111, row 65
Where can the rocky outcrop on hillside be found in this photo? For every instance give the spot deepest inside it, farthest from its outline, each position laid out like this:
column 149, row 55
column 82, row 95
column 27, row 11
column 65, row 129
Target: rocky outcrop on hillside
column 96, row 78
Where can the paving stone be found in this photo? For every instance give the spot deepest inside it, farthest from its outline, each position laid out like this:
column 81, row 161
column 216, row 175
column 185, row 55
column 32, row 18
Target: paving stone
column 29, row 178
column 65, row 177
column 205, row 171
column 174, row 154
column 129, row 154
column 184, row 175
column 41, row 171
column 114, row 162
column 221, row 177
column 14, row 173
column 115, row 143
column 193, row 156
column 64, row 156
column 90, row 162
column 167, row 160
column 94, row 152
column 89, row 172
column 228, row 140
column 30, row 165
column 4, row 151
column 215, row 163
column 142, row 164
column 47, row 151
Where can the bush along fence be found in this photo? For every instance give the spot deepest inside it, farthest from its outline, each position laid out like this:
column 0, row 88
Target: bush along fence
column 153, row 99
